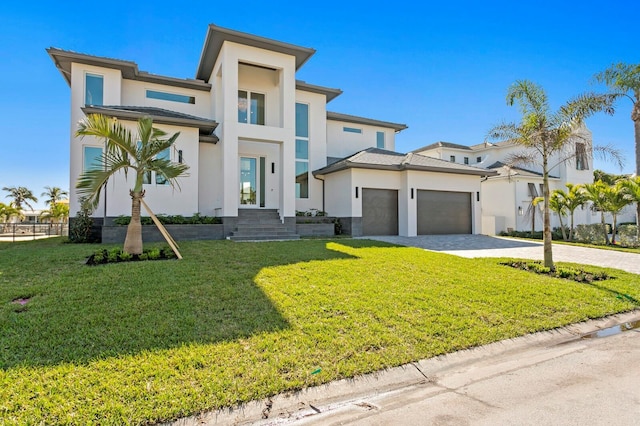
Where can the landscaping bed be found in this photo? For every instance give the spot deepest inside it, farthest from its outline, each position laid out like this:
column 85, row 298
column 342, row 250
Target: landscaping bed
column 146, row 342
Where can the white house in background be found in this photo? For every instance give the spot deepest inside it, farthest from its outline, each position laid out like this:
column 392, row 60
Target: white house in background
column 507, row 196
column 256, row 139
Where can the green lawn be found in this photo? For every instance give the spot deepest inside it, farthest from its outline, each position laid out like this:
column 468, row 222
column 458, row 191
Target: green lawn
column 232, row 322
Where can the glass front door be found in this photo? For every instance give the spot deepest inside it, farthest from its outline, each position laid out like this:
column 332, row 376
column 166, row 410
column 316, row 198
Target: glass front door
column 248, row 182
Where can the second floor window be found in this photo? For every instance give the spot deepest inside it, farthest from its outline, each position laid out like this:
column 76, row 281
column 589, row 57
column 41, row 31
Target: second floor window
column 250, row 107
column 93, row 89
column 581, row 157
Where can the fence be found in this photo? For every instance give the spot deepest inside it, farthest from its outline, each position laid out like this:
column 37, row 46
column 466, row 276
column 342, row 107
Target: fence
column 31, row 231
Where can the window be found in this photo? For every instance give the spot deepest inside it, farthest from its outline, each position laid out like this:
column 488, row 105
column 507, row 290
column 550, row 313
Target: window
column 478, row 159
column 93, row 89
column 92, row 158
column 581, row 157
column 380, row 140
column 466, row 160
column 452, row 158
column 173, row 97
column 160, row 178
column 351, row 130
column 533, row 192
column 250, row 107
column 302, row 150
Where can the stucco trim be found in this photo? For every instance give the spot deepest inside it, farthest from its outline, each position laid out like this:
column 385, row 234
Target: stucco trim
column 329, row 92
column 336, row 116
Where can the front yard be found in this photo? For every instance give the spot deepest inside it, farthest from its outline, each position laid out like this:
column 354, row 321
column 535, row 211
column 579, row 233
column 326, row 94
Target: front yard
column 149, row 341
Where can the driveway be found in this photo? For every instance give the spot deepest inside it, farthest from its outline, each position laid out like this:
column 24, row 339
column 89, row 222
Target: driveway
column 485, row 246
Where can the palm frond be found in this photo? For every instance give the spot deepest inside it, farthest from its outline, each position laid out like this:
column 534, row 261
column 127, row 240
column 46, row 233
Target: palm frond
column 530, row 97
column 522, row 158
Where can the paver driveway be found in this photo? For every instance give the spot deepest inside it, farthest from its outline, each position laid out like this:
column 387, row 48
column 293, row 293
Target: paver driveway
column 485, row 246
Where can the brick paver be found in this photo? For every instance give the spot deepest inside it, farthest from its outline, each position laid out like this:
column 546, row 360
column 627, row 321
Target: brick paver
column 485, row 246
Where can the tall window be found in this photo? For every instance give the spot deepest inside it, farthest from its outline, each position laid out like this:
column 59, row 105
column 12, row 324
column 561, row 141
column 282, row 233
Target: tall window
column 250, row 107
column 302, row 151
column 581, row 157
column 91, row 160
column 158, row 177
column 380, row 140
column 93, row 89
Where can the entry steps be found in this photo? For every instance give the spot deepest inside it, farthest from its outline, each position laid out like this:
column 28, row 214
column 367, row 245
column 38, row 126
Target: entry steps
column 261, row 225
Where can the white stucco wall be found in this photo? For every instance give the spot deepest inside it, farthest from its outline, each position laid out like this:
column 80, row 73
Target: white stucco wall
column 135, row 93
column 342, row 144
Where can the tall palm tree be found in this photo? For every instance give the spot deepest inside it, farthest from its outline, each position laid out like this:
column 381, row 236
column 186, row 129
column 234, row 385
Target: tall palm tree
column 126, row 153
column 20, row 195
column 596, row 193
column 624, row 82
column 544, row 133
column 54, row 194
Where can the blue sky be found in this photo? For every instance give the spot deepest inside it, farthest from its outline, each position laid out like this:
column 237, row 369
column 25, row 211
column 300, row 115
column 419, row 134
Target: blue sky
column 442, row 69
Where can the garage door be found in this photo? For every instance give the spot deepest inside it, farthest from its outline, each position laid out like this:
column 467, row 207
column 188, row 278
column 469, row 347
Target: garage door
column 379, row 211
column 443, row 212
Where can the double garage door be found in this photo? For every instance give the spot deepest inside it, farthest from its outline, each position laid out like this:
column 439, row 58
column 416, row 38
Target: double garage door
column 439, row 212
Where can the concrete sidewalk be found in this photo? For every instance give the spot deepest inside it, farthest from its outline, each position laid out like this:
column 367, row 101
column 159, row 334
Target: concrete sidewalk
column 565, row 376
column 485, row 246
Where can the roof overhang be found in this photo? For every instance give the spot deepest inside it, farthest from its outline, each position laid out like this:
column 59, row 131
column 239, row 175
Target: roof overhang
column 330, row 93
column 216, row 36
column 205, row 127
column 400, row 167
column 64, row 58
column 366, row 121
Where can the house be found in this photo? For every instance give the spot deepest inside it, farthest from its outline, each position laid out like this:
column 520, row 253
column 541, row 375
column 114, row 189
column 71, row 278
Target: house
column 507, row 196
column 261, row 144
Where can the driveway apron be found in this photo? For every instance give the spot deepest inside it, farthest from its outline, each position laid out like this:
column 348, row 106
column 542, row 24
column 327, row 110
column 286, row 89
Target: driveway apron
column 486, row 246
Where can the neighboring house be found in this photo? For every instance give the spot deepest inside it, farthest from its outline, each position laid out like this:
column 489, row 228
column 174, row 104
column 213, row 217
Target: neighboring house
column 507, row 197
column 255, row 138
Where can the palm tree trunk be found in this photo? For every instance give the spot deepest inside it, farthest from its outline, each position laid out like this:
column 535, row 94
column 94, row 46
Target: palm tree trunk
column 614, row 228
column 133, row 240
column 571, row 229
column 604, row 228
column 635, row 116
column 548, row 249
column 564, row 232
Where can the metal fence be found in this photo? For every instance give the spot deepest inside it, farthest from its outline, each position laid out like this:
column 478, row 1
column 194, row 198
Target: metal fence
column 31, row 231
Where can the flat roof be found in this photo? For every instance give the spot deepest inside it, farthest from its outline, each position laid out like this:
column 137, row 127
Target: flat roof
column 336, row 116
column 216, row 36
column 63, row 59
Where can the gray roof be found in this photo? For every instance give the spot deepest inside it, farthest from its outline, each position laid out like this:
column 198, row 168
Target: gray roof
column 216, row 36
column 64, row 58
column 160, row 116
column 506, row 170
column 381, row 159
column 336, row 116
column 330, row 93
column 485, row 145
column 442, row 145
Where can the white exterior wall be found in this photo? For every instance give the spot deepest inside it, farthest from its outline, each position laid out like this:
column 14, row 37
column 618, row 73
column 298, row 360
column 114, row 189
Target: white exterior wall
column 341, row 144
column 112, row 83
column 317, row 147
column 340, row 194
column 135, row 93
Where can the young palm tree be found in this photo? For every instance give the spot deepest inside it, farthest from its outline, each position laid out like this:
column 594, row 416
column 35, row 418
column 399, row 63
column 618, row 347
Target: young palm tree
column 57, row 213
column 596, row 193
column 7, row 211
column 127, row 153
column 573, row 199
column 624, row 81
column 20, row 195
column 557, row 203
column 615, row 201
column 544, row 133
column 54, row 194
column 631, row 188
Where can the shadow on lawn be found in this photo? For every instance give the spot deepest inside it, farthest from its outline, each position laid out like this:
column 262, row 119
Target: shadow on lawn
column 123, row 309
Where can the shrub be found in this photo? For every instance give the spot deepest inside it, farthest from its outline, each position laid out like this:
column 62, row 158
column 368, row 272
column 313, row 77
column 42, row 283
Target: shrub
column 81, row 228
column 592, row 234
column 578, row 275
column 627, row 235
column 196, row 219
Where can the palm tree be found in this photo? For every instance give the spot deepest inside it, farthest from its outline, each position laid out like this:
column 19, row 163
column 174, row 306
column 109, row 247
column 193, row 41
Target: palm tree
column 624, row 81
column 54, row 194
column 596, row 193
column 557, row 203
column 615, row 201
column 7, row 211
column 544, row 134
column 631, row 188
column 127, row 152
column 573, row 199
column 57, row 213
column 20, row 195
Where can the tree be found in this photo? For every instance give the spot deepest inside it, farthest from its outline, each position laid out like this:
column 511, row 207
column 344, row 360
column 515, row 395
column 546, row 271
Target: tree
column 7, row 211
column 57, row 212
column 615, row 201
column 631, row 188
column 544, row 134
column 596, row 193
column 624, row 82
column 573, row 199
column 20, row 195
column 557, row 203
column 54, row 194
column 126, row 153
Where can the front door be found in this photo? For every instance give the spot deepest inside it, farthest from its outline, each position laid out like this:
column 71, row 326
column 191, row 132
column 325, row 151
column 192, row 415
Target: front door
column 248, row 181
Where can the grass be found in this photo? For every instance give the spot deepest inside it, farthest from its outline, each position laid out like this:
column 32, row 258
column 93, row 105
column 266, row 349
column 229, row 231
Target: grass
column 613, row 247
column 142, row 342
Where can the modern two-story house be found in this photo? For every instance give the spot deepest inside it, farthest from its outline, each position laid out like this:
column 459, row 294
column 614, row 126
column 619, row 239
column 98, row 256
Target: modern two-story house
column 257, row 139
